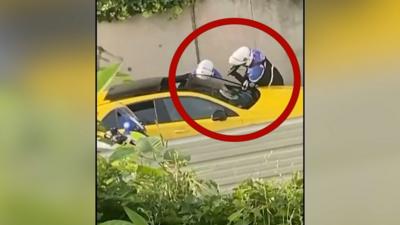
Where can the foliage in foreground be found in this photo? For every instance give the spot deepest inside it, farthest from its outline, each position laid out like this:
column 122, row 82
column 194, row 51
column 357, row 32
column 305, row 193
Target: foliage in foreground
column 150, row 184
column 105, row 76
column 117, row 10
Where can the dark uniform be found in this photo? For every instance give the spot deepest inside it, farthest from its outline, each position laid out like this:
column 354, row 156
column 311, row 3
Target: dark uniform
column 261, row 72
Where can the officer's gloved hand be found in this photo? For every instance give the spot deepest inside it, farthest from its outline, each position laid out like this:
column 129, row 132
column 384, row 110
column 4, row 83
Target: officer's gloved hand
column 247, row 84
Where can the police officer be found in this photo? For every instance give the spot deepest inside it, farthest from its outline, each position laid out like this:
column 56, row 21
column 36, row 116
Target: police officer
column 206, row 69
column 259, row 70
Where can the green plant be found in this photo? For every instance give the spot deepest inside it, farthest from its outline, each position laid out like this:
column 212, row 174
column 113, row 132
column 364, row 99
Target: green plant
column 105, row 76
column 262, row 202
column 117, row 10
column 135, row 218
column 154, row 182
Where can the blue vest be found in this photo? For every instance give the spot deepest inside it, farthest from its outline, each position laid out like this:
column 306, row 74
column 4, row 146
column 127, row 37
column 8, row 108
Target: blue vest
column 257, row 67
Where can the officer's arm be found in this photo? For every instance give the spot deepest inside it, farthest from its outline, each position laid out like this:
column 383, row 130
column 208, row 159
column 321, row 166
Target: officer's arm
column 233, row 72
column 238, row 77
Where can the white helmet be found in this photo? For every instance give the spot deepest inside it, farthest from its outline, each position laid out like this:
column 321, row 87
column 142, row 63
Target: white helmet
column 204, row 69
column 242, row 56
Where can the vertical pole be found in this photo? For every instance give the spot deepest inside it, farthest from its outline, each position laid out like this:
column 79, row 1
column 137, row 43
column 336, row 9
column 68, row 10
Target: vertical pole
column 252, row 17
column 194, row 27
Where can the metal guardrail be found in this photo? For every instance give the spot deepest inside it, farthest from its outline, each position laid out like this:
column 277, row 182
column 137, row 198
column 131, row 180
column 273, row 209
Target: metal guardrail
column 279, row 153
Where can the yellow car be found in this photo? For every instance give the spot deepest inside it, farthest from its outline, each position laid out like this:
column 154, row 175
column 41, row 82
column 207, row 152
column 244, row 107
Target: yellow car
column 213, row 103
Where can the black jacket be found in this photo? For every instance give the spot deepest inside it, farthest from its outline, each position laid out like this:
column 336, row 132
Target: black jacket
column 270, row 72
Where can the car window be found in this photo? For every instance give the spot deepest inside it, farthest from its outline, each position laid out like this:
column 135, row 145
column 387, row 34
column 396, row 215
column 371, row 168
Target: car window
column 120, row 120
column 162, row 111
column 197, row 108
column 117, row 118
column 131, row 117
column 213, row 87
column 144, row 111
column 110, row 121
column 125, row 115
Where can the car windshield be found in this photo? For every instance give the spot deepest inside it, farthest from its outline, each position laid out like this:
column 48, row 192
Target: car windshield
column 225, row 90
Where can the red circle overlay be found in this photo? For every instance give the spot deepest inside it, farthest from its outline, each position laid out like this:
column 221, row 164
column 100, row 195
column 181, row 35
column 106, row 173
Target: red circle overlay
column 234, row 21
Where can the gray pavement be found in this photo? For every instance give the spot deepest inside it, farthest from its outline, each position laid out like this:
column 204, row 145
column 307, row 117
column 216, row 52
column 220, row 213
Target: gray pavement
column 277, row 154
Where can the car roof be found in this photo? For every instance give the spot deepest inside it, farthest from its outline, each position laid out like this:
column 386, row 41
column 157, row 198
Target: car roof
column 137, row 88
column 160, row 84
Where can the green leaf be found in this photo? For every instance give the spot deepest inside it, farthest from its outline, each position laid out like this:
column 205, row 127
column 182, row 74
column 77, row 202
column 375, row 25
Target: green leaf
column 116, row 222
column 177, row 10
column 235, row 216
column 135, row 217
column 105, row 76
column 149, row 144
column 135, row 135
column 123, row 75
column 147, row 14
column 100, row 126
column 114, row 10
column 150, row 171
column 123, row 78
column 243, row 222
column 172, row 154
column 121, row 153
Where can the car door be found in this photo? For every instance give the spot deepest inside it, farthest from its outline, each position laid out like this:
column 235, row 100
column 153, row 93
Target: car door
column 172, row 126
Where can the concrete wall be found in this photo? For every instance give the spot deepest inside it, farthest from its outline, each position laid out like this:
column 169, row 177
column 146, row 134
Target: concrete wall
column 147, row 44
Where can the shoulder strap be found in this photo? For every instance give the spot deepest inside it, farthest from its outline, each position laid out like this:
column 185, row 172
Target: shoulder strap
column 272, row 75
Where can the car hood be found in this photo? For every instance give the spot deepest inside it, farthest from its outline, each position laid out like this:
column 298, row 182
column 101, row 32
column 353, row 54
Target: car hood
column 272, row 102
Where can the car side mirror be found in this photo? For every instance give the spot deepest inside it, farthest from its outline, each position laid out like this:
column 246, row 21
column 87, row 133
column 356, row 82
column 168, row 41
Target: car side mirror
column 219, row 115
